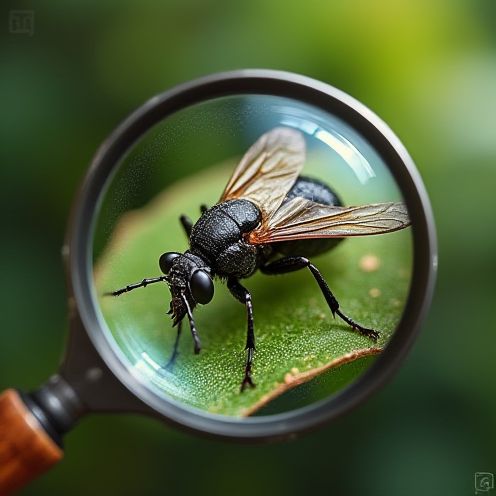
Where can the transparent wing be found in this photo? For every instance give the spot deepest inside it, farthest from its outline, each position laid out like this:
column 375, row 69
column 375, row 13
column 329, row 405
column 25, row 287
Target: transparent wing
column 268, row 170
column 299, row 218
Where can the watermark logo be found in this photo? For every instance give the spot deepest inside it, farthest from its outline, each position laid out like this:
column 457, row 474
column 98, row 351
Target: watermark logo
column 483, row 482
column 21, row 22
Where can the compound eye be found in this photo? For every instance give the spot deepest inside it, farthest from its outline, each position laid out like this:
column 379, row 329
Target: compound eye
column 202, row 287
column 165, row 261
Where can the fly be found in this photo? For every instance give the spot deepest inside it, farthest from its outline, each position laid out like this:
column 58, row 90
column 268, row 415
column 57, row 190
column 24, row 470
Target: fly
column 269, row 218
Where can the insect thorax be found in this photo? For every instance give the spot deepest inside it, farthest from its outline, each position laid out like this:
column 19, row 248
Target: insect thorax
column 218, row 238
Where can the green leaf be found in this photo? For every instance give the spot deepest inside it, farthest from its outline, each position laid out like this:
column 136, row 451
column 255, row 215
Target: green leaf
column 298, row 341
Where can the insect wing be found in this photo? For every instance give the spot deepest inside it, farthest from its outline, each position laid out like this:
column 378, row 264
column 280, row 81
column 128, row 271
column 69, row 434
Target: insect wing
column 268, row 170
column 300, row 218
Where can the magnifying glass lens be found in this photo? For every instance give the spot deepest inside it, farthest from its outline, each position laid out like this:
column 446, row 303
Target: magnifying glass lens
column 296, row 272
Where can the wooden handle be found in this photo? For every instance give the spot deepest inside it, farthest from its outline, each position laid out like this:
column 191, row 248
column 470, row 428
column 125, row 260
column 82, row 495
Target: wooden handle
column 26, row 450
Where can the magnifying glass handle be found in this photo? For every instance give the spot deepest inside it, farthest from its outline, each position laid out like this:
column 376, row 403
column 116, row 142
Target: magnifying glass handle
column 26, row 449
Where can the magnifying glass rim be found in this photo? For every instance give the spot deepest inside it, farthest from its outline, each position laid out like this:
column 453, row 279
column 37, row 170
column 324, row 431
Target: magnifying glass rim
column 323, row 97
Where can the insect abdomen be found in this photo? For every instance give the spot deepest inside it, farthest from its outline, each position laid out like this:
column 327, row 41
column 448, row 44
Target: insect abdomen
column 318, row 192
column 314, row 190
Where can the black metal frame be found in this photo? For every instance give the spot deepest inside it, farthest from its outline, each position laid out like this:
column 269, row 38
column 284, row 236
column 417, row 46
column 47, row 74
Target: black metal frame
column 93, row 369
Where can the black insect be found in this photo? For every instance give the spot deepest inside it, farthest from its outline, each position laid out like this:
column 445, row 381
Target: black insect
column 268, row 218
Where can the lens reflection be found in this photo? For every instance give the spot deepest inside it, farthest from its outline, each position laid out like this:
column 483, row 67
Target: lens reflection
column 302, row 354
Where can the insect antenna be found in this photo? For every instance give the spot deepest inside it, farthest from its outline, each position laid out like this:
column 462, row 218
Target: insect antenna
column 143, row 284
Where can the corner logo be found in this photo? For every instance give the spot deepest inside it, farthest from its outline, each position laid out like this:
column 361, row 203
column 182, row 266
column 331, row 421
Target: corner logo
column 483, row 482
column 21, row 22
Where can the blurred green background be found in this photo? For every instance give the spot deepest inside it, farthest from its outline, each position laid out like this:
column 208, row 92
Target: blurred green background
column 428, row 68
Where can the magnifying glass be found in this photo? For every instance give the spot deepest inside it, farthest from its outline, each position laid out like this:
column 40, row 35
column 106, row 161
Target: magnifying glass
column 188, row 212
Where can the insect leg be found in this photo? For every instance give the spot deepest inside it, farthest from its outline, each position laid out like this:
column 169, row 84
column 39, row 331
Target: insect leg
column 175, row 352
column 203, row 208
column 187, row 224
column 194, row 332
column 143, row 284
column 244, row 296
column 290, row 264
